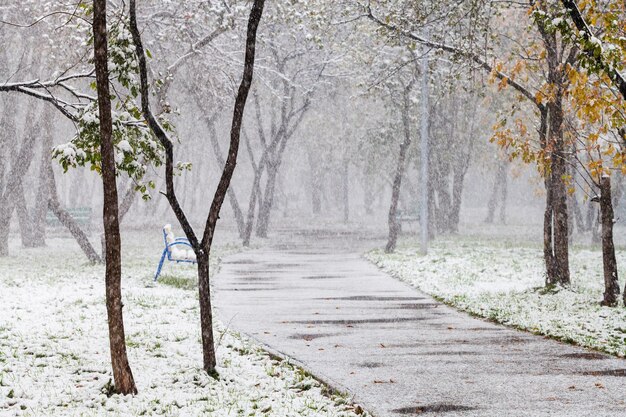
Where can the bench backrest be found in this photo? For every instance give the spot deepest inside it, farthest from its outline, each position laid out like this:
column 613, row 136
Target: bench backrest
column 168, row 238
column 82, row 216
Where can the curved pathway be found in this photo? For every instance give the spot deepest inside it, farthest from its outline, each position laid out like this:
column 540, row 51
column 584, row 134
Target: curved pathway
column 399, row 352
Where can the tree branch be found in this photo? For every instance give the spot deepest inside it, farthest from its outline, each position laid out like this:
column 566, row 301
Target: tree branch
column 235, row 131
column 451, row 49
column 158, row 131
column 583, row 27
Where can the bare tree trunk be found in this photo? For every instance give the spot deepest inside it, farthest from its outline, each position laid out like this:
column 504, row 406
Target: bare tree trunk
column 26, row 226
column 255, row 192
column 7, row 129
column 13, row 185
column 316, row 185
column 590, row 217
column 267, row 201
column 346, row 193
column 43, row 192
column 504, row 194
column 32, row 223
column 254, row 195
column 5, row 222
column 122, row 374
column 457, row 196
column 611, row 284
column 127, row 201
column 232, row 196
column 206, row 316
column 578, row 215
column 445, row 202
column 497, row 192
column 392, row 219
column 548, row 244
column 67, row 220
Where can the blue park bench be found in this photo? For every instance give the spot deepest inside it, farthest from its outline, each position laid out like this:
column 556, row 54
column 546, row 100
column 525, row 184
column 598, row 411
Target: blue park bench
column 175, row 250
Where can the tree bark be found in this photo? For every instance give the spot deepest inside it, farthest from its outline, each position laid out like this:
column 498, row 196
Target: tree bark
column 497, row 194
column 232, row 196
column 23, row 216
column 206, row 313
column 578, row 215
column 392, row 220
column 609, row 263
column 255, row 192
column 346, row 191
column 122, row 374
column 13, row 184
column 457, row 199
column 548, row 246
column 316, row 184
column 268, row 201
column 5, row 223
column 559, row 194
column 67, row 220
column 43, row 195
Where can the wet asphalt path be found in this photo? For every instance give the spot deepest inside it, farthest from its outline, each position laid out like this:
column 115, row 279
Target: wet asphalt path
column 315, row 299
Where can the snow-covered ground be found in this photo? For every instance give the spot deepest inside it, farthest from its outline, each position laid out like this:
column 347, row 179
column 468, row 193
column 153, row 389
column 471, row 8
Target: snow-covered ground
column 54, row 356
column 503, row 281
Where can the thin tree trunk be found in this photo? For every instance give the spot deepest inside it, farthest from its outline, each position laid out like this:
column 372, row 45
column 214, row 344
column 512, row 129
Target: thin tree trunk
column 346, row 192
column 457, row 195
column 13, row 184
column 578, row 215
column 232, row 196
column 496, row 192
column 67, row 220
column 504, row 188
column 316, row 186
column 206, row 316
column 43, row 192
column 255, row 194
column 127, row 201
column 122, row 374
column 5, row 223
column 267, row 201
column 392, row 220
column 611, row 284
column 23, row 216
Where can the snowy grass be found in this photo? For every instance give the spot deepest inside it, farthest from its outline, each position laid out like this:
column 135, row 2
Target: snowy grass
column 54, row 355
column 504, row 281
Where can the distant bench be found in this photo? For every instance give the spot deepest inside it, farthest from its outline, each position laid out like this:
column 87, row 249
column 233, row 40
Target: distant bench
column 403, row 216
column 82, row 216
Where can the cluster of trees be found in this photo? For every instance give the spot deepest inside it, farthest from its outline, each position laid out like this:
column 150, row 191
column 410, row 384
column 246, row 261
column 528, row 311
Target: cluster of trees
column 330, row 113
column 565, row 109
column 115, row 140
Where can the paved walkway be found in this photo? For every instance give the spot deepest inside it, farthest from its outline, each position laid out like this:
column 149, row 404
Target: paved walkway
column 398, row 351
